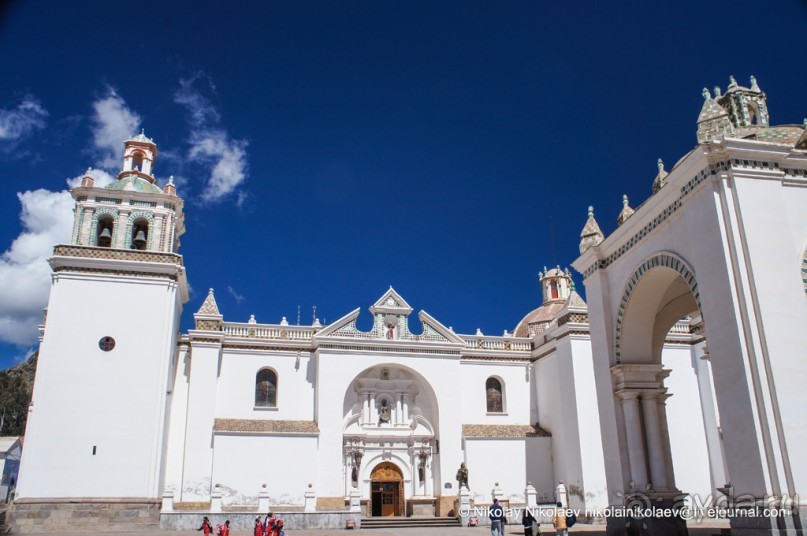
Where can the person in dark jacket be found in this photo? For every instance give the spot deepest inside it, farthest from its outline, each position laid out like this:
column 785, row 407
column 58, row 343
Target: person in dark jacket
column 527, row 521
column 497, row 519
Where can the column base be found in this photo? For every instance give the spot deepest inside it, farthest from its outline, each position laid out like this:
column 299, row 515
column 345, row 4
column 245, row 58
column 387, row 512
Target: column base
column 658, row 525
column 781, row 525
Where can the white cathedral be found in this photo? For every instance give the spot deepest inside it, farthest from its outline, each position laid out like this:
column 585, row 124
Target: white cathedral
column 684, row 374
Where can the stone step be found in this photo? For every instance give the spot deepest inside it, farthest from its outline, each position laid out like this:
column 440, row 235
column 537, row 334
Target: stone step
column 404, row 522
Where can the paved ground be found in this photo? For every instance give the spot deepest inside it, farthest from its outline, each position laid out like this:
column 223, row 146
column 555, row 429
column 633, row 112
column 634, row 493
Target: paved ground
column 589, row 530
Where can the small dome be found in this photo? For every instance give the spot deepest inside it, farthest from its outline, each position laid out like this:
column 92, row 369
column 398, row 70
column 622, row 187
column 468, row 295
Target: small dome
column 537, row 321
column 142, row 138
column 133, row 183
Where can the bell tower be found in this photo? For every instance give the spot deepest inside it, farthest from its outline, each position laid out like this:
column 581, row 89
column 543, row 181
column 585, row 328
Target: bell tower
column 97, row 422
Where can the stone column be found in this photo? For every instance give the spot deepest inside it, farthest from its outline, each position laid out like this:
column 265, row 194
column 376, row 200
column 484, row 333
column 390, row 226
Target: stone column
column 531, row 496
column 655, row 449
column 263, row 499
column 561, row 495
column 373, row 409
column 355, row 501
column 406, row 408
column 365, row 413
column 665, row 439
column 633, row 429
column 398, row 409
column 168, row 500
column 215, row 500
column 310, row 500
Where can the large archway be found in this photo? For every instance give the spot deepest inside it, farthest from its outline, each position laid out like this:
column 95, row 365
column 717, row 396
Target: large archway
column 391, row 420
column 661, row 292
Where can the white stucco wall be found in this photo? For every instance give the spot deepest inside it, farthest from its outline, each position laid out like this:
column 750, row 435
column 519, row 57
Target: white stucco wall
column 516, row 391
column 113, row 401
column 510, row 462
column 685, row 423
column 243, row 463
column 235, row 389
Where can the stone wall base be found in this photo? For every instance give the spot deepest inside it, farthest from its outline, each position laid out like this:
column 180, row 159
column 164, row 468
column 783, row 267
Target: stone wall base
column 83, row 515
column 245, row 521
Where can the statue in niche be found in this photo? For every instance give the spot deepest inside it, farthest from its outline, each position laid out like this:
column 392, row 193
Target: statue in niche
column 462, row 476
column 354, row 476
column 384, row 413
column 422, row 471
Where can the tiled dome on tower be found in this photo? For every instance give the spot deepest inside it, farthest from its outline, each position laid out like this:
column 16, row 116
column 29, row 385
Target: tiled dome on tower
column 557, row 288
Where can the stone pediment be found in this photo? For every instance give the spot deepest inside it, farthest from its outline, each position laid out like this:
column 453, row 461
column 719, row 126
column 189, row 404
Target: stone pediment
column 391, row 322
column 391, row 303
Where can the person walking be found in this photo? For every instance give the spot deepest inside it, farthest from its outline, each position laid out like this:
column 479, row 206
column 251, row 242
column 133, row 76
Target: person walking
column 497, row 519
column 559, row 521
column 258, row 531
column 527, row 522
column 206, row 527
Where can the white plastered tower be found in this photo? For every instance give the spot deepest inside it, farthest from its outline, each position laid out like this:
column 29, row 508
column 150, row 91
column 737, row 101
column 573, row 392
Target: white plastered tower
column 97, row 421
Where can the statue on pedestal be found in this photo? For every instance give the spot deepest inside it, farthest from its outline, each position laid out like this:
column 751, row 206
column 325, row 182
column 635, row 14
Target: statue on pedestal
column 462, row 476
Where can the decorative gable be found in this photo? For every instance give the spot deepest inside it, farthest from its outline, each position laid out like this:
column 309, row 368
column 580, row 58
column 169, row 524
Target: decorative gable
column 391, row 322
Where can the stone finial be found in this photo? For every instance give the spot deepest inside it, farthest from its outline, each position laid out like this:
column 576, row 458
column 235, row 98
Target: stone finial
column 805, row 123
column 591, row 235
column 625, row 213
column 732, row 81
column 284, row 322
column 705, row 93
column 87, row 180
column 754, row 85
column 479, row 332
column 317, row 323
column 209, row 306
column 661, row 178
column 252, row 320
column 170, row 188
column 718, row 92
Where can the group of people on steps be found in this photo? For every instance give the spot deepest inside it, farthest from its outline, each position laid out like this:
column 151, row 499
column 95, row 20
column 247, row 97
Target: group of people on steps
column 271, row 526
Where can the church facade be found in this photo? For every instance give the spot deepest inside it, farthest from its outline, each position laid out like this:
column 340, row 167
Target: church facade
column 320, row 421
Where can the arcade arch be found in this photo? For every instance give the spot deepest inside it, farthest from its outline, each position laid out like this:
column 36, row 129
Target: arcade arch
column 660, row 299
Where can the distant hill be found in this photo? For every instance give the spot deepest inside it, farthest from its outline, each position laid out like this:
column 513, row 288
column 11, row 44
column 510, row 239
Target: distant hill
column 16, row 385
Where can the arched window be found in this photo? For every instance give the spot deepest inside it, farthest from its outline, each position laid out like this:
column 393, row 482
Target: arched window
column 103, row 237
column 495, row 395
column 140, row 234
column 266, row 389
column 137, row 161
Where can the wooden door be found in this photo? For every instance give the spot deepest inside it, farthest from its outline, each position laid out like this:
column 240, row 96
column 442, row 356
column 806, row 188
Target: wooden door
column 386, row 490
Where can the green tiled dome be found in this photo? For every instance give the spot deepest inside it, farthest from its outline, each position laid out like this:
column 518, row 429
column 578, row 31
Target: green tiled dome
column 133, row 183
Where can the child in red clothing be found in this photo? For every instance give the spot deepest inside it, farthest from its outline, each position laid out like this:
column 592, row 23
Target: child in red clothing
column 258, row 527
column 206, row 526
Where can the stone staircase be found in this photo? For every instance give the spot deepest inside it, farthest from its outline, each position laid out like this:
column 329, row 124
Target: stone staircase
column 391, row 522
column 2, row 521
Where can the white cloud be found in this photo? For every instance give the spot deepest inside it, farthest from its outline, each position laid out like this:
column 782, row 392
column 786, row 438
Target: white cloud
column 223, row 158
column 226, row 160
column 238, row 297
column 18, row 123
column 113, row 122
column 47, row 219
column 101, row 177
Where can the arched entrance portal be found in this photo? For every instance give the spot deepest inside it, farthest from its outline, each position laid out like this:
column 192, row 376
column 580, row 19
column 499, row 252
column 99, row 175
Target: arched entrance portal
column 386, row 495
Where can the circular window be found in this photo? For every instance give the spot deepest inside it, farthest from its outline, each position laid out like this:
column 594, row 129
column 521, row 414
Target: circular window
column 106, row 344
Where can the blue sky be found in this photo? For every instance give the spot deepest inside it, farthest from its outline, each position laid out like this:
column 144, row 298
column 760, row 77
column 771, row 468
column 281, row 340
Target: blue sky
column 328, row 150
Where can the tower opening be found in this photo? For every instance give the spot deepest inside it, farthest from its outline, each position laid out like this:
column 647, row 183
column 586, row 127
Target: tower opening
column 140, row 234
column 103, row 236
